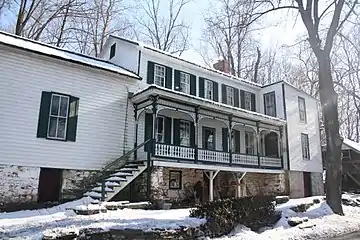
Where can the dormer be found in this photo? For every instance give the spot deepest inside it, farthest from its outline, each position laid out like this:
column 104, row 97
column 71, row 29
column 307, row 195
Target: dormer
column 122, row 52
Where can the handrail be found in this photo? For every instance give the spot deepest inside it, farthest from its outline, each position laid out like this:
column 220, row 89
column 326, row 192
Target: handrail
column 117, row 161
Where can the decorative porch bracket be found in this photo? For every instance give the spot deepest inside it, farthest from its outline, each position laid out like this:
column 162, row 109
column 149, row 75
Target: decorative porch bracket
column 211, row 177
column 239, row 177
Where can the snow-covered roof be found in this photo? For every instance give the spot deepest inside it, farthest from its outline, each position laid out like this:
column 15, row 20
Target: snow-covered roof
column 49, row 50
column 351, row 144
column 142, row 45
column 217, row 104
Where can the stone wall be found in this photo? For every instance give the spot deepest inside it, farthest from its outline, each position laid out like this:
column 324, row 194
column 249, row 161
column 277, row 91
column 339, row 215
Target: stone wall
column 296, row 180
column 265, row 183
column 74, row 183
column 18, row 184
column 317, row 184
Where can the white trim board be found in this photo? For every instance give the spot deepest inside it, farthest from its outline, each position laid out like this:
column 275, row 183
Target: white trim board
column 214, row 167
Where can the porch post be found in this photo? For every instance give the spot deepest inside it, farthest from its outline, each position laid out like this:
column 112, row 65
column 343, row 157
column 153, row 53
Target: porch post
column 154, row 110
column 281, row 149
column 196, row 133
column 136, row 130
column 211, row 177
column 230, row 139
column 258, row 142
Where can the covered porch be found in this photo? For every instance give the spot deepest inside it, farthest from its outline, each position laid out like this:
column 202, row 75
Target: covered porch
column 188, row 129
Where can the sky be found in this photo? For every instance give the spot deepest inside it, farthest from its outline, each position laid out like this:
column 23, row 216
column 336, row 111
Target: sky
column 281, row 28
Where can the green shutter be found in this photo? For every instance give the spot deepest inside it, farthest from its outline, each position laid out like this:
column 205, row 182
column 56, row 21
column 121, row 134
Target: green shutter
column 223, row 93
column 150, row 73
column 72, row 120
column 253, row 102
column 177, row 80
column 148, row 129
column 237, row 141
column 192, row 134
column 168, row 78
column 236, row 97
column 242, row 98
column 167, row 131
column 193, row 85
column 201, row 87
column 176, row 139
column 44, row 115
column 225, row 139
column 112, row 50
column 216, row 92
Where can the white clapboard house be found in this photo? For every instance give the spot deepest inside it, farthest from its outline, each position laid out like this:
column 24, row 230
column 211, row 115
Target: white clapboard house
column 142, row 121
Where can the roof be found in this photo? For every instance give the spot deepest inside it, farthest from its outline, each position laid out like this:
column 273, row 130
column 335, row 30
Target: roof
column 291, row 85
column 351, row 144
column 142, row 45
column 60, row 53
column 222, row 106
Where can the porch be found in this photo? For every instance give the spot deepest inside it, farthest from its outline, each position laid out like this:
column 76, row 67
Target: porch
column 191, row 130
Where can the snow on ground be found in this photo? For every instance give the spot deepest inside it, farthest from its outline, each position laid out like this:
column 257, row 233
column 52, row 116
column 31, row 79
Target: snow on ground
column 33, row 224
column 327, row 224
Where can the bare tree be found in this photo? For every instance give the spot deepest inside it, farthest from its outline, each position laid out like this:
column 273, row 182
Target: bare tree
column 168, row 33
column 321, row 45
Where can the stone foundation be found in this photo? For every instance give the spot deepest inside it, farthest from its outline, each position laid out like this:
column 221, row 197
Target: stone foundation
column 265, row 184
column 317, row 184
column 296, row 180
column 74, row 183
column 18, row 184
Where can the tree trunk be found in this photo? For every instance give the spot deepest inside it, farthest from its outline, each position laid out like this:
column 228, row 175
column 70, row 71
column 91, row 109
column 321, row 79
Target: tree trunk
column 257, row 64
column 328, row 98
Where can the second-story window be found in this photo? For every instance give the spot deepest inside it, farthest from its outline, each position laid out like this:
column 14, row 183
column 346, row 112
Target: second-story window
column 230, row 96
column 249, row 143
column 302, row 109
column 247, row 99
column 185, row 82
column 184, row 133
column 209, row 89
column 270, row 104
column 305, row 146
column 159, row 75
column 160, row 129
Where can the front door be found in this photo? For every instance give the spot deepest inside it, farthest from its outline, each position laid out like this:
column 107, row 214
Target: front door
column 209, row 138
column 307, row 184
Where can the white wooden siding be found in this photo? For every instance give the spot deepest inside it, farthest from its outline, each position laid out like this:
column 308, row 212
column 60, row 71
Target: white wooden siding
column 100, row 128
column 295, row 128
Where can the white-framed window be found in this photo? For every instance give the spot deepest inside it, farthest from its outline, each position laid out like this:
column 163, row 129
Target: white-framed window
column 184, row 133
column 159, row 75
column 230, row 98
column 58, row 116
column 160, row 129
column 209, row 89
column 302, row 109
column 247, row 99
column 249, row 142
column 270, row 104
column 305, row 146
column 185, row 82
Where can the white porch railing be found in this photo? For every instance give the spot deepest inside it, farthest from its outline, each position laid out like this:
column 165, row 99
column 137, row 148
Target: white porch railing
column 270, row 162
column 244, row 159
column 163, row 150
column 213, row 156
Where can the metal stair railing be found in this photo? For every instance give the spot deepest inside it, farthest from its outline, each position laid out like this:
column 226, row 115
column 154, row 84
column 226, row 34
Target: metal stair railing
column 117, row 163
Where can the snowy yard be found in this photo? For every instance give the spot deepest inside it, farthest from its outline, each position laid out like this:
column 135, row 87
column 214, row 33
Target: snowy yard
column 321, row 222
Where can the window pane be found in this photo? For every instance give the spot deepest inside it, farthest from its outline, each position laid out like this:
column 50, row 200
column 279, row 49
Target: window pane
column 160, row 125
column 61, row 128
column 55, row 105
column 64, row 106
column 52, row 127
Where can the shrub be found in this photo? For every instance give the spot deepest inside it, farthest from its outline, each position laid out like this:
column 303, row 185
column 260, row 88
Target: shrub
column 224, row 214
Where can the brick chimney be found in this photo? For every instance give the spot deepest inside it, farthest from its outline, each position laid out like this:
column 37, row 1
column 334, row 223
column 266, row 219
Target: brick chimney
column 222, row 65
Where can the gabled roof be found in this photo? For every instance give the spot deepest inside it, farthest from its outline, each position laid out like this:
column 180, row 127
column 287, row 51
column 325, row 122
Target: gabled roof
column 221, row 74
column 352, row 145
column 49, row 50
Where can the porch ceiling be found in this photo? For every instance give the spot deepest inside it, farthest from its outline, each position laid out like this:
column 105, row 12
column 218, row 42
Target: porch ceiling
column 194, row 101
column 215, row 167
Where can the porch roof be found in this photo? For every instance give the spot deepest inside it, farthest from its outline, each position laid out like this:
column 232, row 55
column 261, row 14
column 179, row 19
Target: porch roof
column 190, row 100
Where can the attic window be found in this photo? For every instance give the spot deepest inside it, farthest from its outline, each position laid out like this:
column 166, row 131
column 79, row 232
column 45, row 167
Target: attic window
column 112, row 50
